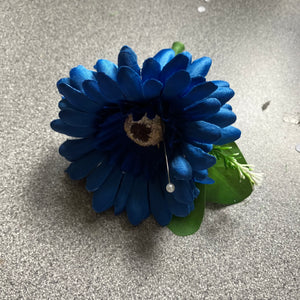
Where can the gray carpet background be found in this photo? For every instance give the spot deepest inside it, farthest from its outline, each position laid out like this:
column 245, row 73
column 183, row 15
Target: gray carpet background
column 52, row 244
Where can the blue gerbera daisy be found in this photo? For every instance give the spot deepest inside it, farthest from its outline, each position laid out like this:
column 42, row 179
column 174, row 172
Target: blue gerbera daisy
column 144, row 135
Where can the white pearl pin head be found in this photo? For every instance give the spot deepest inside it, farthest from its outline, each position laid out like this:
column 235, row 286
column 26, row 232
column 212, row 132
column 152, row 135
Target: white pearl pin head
column 170, row 187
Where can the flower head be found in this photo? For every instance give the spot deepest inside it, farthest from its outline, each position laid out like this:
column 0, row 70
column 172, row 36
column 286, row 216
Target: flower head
column 143, row 135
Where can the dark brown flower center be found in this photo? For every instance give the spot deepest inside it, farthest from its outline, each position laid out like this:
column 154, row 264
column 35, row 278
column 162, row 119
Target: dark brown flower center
column 144, row 132
column 140, row 131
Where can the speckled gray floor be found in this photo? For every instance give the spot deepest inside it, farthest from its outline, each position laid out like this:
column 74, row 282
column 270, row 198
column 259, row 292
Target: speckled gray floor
column 53, row 246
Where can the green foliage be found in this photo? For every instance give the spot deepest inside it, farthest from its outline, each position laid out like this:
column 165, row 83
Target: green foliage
column 178, row 47
column 190, row 224
column 233, row 177
column 235, row 160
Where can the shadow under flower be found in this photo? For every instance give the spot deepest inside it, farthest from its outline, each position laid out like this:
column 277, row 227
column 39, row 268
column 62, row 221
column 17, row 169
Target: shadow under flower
column 214, row 206
column 217, row 219
column 57, row 204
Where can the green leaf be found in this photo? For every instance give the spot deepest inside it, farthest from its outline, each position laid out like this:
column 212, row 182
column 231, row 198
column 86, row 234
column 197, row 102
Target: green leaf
column 191, row 223
column 178, row 47
column 228, row 187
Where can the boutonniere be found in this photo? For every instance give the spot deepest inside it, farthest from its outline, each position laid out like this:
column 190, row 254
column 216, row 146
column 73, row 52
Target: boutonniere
column 156, row 139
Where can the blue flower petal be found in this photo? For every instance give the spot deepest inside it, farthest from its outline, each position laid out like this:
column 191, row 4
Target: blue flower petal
column 111, row 128
column 75, row 149
column 92, row 90
column 137, row 165
column 114, row 145
column 127, row 165
column 97, row 177
column 180, row 168
column 109, row 88
column 227, row 106
column 113, row 119
column 201, row 176
column 111, row 141
column 130, row 84
column 109, row 135
column 83, row 166
column 65, row 104
column 206, row 180
column 179, row 62
column 197, row 80
column 203, row 146
column 76, row 98
column 201, row 108
column 179, row 209
column 118, row 150
column 152, row 89
column 137, row 114
column 201, row 131
column 223, row 94
column 103, row 198
column 158, row 203
column 199, row 92
column 123, row 193
column 188, row 55
column 200, row 67
column 79, row 74
column 223, row 118
column 127, row 57
column 61, row 127
column 176, row 84
column 65, row 80
column 183, row 192
column 198, row 159
column 195, row 190
column 78, row 118
column 220, row 83
column 107, row 67
column 164, row 56
column 151, row 69
column 228, row 135
column 137, row 206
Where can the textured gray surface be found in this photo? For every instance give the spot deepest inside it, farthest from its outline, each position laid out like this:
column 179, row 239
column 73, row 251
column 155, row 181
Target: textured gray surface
column 53, row 246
